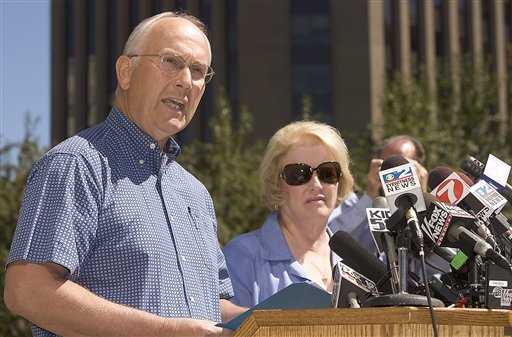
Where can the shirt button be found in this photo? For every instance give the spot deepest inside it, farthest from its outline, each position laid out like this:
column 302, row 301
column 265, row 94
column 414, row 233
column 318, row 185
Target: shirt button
column 152, row 146
column 191, row 299
column 183, row 258
column 141, row 161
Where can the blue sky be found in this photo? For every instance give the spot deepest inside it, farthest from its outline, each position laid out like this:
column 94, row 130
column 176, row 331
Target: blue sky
column 24, row 68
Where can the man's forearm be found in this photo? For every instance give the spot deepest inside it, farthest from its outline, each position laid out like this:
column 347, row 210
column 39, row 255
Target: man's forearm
column 229, row 310
column 38, row 293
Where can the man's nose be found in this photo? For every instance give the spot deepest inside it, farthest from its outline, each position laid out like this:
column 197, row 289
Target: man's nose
column 184, row 78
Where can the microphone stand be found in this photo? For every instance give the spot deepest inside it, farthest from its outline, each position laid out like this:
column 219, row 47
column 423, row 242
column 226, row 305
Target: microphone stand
column 396, row 224
column 475, row 286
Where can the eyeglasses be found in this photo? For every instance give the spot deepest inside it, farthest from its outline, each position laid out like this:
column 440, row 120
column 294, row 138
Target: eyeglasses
column 328, row 172
column 171, row 64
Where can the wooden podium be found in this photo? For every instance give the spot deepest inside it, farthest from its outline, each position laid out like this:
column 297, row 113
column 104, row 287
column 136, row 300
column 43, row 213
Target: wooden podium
column 377, row 322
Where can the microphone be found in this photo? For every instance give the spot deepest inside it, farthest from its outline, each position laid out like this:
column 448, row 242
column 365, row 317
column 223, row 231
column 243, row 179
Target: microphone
column 385, row 242
column 480, row 247
column 479, row 200
column 361, row 260
column 456, row 258
column 377, row 216
column 445, row 226
column 458, row 189
column 358, row 258
column 448, row 186
column 403, row 192
column 350, row 287
column 475, row 169
column 502, row 226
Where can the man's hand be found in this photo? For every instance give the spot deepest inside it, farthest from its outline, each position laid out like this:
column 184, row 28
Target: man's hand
column 230, row 310
column 202, row 328
column 422, row 174
column 373, row 182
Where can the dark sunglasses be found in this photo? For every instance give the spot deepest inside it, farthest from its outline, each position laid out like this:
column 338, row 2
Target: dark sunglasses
column 328, row 172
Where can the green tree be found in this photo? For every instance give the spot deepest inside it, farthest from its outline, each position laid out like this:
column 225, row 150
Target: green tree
column 12, row 183
column 466, row 124
column 228, row 167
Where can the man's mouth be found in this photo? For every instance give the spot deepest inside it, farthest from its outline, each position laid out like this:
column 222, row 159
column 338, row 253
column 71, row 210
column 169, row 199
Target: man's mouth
column 173, row 103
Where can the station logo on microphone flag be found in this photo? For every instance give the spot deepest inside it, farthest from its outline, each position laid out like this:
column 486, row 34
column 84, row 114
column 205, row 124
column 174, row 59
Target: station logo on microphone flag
column 451, row 190
column 401, row 180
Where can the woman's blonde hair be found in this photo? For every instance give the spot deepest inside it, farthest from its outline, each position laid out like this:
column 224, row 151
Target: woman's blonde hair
column 294, row 134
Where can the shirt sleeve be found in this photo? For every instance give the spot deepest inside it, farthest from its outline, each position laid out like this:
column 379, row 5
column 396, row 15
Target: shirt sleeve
column 350, row 214
column 225, row 286
column 240, row 266
column 59, row 213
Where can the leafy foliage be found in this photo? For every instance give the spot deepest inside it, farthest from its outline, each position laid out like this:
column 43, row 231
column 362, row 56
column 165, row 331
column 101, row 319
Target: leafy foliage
column 12, row 183
column 466, row 123
column 228, row 167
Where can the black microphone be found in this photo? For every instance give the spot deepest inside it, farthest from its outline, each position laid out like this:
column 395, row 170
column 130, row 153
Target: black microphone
column 475, row 169
column 350, row 288
column 480, row 247
column 445, row 226
column 377, row 216
column 360, row 259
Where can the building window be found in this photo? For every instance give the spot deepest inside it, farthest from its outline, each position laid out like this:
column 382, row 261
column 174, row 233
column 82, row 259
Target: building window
column 310, row 56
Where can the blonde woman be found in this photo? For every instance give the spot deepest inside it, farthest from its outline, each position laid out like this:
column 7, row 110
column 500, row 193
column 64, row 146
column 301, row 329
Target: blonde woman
column 304, row 175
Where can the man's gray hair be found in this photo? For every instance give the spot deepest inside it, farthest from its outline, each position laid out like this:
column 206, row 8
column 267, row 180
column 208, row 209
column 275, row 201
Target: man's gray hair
column 135, row 38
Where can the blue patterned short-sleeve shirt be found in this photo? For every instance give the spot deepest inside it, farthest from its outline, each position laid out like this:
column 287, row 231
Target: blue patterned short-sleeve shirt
column 127, row 221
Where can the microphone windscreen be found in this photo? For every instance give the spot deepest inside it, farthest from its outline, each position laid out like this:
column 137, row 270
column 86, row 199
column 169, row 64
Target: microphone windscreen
column 437, row 175
column 393, row 161
column 358, row 258
column 472, row 166
column 466, row 178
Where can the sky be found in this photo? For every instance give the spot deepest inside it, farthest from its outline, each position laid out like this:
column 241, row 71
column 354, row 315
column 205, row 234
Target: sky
column 24, row 68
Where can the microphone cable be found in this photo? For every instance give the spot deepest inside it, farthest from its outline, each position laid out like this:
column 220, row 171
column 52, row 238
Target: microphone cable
column 427, row 291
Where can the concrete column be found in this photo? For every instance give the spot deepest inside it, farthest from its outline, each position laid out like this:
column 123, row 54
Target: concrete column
column 81, row 64
column 500, row 62
column 452, row 45
column 102, row 57
column 59, row 103
column 123, row 27
column 358, row 64
column 475, row 32
column 264, row 81
column 402, row 38
column 427, row 54
column 145, row 9
column 219, row 41
column 168, row 5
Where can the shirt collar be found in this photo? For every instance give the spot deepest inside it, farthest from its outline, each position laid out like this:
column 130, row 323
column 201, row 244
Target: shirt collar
column 275, row 247
column 273, row 241
column 143, row 143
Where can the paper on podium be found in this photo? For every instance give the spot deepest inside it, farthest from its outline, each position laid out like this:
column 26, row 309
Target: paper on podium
column 295, row 296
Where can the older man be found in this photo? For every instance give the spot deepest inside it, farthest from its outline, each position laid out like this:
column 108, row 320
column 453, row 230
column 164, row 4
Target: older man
column 114, row 237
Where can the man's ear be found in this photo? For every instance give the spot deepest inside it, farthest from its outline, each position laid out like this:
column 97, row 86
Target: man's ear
column 124, row 70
